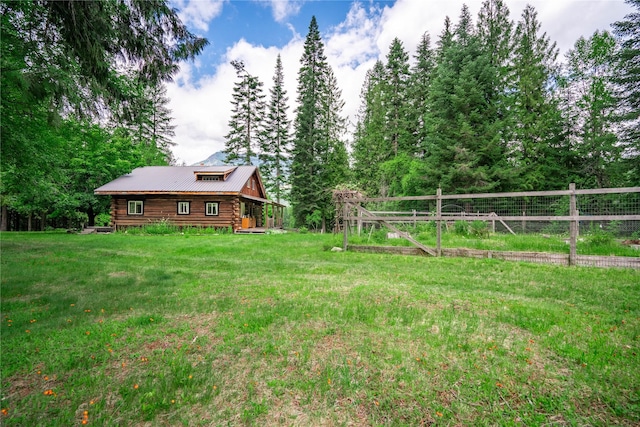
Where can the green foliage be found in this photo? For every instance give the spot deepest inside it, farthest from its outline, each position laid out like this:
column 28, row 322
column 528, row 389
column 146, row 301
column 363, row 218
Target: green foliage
column 627, row 77
column 103, row 219
column 597, row 236
column 466, row 153
column 461, row 228
column 314, row 219
column 479, row 229
column 247, row 118
column 591, row 108
column 67, row 66
column 275, row 145
column 319, row 157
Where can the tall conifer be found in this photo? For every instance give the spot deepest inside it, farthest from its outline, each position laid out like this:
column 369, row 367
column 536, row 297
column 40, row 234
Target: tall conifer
column 318, row 152
column 369, row 149
column 274, row 147
column 247, row 117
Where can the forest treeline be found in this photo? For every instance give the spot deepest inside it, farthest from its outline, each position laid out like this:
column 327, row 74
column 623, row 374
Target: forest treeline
column 485, row 106
column 82, row 102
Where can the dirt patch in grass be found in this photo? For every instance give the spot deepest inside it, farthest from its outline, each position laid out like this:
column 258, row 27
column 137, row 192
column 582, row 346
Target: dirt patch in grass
column 116, row 274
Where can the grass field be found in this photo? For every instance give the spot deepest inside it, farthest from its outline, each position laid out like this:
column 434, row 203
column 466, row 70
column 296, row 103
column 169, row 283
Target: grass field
column 274, row 330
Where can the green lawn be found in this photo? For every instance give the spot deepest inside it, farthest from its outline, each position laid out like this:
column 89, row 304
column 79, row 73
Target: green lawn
column 274, row 330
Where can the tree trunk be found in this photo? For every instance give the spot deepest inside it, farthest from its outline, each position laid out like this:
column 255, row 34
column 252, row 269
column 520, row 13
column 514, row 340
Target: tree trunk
column 3, row 220
column 29, row 221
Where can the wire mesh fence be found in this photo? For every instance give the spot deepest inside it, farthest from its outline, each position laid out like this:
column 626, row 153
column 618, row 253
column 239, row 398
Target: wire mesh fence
column 603, row 224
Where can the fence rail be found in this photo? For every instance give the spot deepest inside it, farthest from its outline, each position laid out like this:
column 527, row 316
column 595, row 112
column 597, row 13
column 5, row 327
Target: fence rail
column 573, row 207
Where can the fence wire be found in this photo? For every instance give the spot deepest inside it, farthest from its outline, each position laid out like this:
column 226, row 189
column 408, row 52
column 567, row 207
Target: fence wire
column 605, row 212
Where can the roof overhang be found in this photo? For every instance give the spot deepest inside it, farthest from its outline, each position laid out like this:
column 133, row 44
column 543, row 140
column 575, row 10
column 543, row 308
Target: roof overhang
column 171, row 193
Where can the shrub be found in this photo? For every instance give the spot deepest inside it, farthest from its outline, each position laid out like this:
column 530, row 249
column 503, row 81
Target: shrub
column 479, row 229
column 461, row 228
column 599, row 237
column 163, row 226
column 102, row 220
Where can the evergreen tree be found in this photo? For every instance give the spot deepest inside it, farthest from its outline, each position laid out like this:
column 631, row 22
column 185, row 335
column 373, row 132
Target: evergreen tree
column 419, row 89
column 466, row 151
column 335, row 160
column 146, row 120
column 495, row 30
column 537, row 148
column 396, row 97
column 306, row 187
column 246, row 123
column 627, row 77
column 591, row 106
column 63, row 61
column 274, row 148
column 317, row 155
column 161, row 129
column 444, row 41
column 369, row 148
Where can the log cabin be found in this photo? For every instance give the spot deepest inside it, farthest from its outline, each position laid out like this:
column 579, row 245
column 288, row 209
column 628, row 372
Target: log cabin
column 187, row 196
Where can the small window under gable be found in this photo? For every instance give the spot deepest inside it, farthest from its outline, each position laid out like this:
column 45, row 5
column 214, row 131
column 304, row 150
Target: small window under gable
column 217, row 175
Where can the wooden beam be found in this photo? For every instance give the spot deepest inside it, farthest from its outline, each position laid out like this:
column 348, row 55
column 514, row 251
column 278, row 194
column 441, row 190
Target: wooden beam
column 400, row 233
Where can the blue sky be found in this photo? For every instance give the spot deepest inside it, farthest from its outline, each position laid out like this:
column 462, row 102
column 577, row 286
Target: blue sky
column 355, row 34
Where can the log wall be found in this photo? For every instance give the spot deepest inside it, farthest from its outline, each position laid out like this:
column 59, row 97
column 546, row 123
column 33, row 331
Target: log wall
column 165, row 207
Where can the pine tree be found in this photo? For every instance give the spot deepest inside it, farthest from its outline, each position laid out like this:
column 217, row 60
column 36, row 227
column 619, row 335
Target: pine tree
column 335, row 161
column 537, row 149
column 274, row 147
column 627, row 77
column 464, row 124
column 419, row 89
column 369, row 149
column 316, row 153
column 162, row 130
column 306, row 188
column 145, row 119
column 591, row 108
column 396, row 97
column 247, row 117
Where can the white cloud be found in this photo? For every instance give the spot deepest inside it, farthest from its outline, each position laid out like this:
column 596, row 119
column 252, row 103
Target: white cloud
column 198, row 13
column 282, row 9
column 202, row 108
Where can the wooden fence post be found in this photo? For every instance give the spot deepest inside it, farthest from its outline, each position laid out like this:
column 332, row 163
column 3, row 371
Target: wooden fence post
column 573, row 225
column 345, row 226
column 438, row 222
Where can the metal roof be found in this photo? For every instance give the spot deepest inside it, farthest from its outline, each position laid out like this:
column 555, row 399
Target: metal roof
column 180, row 179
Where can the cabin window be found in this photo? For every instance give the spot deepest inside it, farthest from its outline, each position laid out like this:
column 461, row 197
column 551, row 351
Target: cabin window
column 253, row 183
column 183, row 208
column 211, row 208
column 135, row 207
column 210, row 178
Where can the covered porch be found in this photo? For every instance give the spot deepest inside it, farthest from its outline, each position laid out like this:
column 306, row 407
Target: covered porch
column 259, row 215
